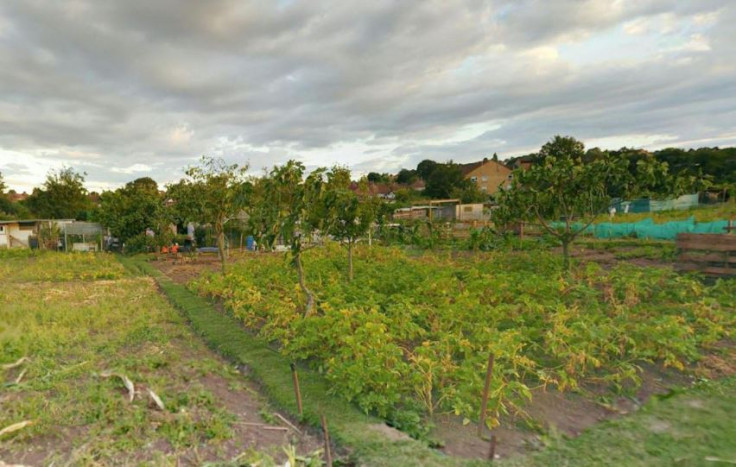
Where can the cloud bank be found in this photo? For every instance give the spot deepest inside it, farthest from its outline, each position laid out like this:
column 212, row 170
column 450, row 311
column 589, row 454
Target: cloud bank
column 139, row 88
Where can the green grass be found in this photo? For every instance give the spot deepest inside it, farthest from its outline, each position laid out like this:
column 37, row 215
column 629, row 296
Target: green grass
column 72, row 331
column 690, row 428
column 349, row 427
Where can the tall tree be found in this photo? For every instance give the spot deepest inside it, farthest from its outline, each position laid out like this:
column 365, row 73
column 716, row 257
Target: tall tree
column 5, row 204
column 406, row 176
column 211, row 193
column 130, row 210
column 62, row 196
column 445, row 181
column 561, row 187
column 425, row 168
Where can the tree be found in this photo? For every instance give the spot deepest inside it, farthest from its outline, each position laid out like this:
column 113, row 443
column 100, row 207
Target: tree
column 295, row 212
column 63, row 196
column 130, row 210
column 5, row 204
column 406, row 176
column 211, row 193
column 470, row 193
column 375, row 177
column 561, row 187
column 348, row 218
column 445, row 180
column 425, row 168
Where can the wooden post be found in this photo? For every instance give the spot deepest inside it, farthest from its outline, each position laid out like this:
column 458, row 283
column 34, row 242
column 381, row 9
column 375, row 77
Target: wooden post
column 297, row 391
column 486, row 389
column 328, row 453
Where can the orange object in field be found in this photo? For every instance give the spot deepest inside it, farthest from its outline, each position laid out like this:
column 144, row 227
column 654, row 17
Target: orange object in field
column 164, row 249
column 175, row 248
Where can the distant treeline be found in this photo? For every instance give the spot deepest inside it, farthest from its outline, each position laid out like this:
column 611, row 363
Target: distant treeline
column 716, row 165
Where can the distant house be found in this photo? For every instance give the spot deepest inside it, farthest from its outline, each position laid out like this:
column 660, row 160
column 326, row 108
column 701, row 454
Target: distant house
column 524, row 162
column 418, row 185
column 16, row 197
column 487, row 174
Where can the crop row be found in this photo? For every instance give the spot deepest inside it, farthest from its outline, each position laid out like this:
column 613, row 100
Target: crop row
column 411, row 334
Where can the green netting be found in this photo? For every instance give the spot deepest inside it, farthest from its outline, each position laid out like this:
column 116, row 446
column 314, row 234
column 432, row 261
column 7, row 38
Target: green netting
column 648, row 229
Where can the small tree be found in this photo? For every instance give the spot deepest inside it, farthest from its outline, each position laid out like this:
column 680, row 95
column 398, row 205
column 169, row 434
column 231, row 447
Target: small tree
column 561, row 187
column 347, row 216
column 211, row 193
column 295, row 211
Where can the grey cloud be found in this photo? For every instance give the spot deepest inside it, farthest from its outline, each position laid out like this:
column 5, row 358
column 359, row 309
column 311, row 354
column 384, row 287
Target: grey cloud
column 260, row 82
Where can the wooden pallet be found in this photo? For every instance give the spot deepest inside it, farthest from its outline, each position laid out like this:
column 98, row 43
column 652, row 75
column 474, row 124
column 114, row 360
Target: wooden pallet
column 711, row 254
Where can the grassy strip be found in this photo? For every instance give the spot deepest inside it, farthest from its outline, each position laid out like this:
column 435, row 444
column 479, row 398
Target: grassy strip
column 691, row 427
column 348, row 426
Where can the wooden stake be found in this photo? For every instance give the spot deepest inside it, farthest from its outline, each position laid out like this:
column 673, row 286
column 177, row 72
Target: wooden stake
column 328, row 453
column 492, row 449
column 486, row 389
column 297, row 391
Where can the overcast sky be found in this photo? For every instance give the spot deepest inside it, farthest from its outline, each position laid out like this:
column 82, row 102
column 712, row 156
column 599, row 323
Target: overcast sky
column 126, row 89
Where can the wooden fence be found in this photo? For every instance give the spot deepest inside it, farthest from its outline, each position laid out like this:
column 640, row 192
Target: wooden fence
column 711, row 254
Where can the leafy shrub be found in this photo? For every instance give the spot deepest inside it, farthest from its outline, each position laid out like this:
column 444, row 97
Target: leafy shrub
column 416, row 331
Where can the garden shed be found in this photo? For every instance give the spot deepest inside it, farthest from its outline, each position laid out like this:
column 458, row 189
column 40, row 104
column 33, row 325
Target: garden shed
column 21, row 233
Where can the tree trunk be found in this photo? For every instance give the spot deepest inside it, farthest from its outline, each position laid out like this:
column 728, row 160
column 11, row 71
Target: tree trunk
column 221, row 247
column 302, row 284
column 350, row 260
column 566, row 254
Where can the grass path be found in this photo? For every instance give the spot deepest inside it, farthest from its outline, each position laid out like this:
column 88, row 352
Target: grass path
column 692, row 427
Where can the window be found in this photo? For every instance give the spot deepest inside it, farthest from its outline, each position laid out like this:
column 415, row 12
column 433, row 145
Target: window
column 2, row 229
column 484, row 188
column 483, row 178
column 467, row 208
column 473, row 179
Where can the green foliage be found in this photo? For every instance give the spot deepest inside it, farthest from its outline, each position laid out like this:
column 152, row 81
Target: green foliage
column 561, row 186
column 425, row 169
column 346, row 216
column 375, row 177
column 406, row 176
column 211, row 193
column 63, row 196
column 140, row 243
column 130, row 210
column 417, row 331
column 348, row 426
column 445, row 181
